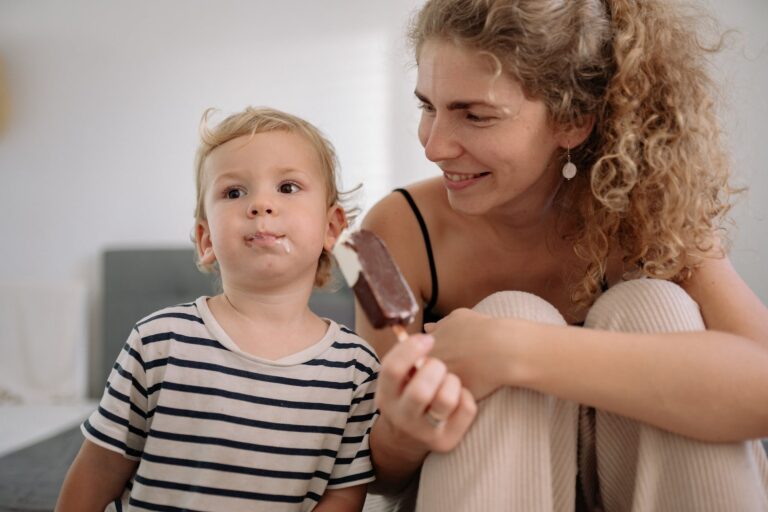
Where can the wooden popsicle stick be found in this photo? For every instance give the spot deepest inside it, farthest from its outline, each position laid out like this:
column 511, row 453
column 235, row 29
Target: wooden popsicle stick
column 402, row 335
column 400, row 332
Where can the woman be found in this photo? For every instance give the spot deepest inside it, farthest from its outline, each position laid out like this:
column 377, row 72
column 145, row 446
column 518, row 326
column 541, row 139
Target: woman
column 581, row 168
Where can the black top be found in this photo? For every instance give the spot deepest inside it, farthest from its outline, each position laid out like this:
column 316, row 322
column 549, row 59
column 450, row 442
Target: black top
column 429, row 314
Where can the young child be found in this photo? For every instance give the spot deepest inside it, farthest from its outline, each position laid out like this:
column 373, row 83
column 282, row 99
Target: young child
column 246, row 400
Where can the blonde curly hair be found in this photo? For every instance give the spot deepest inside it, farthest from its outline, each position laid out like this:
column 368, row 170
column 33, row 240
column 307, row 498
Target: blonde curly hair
column 654, row 174
column 251, row 121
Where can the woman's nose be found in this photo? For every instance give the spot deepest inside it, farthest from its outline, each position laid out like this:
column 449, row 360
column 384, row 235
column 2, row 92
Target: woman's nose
column 439, row 139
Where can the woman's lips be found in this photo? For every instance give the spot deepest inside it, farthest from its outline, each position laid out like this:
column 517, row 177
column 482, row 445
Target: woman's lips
column 458, row 181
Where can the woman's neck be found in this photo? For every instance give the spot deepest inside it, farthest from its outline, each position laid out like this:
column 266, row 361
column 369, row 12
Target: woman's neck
column 524, row 225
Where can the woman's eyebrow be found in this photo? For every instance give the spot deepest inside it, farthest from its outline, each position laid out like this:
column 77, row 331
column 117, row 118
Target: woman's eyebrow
column 459, row 104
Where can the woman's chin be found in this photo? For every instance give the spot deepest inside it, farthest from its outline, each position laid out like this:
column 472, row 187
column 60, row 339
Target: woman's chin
column 461, row 203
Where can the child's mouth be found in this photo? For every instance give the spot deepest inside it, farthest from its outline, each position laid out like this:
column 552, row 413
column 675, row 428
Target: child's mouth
column 266, row 239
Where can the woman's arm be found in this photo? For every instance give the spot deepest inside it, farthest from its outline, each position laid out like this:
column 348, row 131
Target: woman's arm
column 710, row 385
column 348, row 499
column 96, row 478
column 403, row 435
column 727, row 303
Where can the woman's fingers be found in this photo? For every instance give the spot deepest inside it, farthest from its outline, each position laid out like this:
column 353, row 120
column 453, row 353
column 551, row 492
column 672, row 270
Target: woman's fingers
column 422, row 388
column 457, row 423
column 397, row 367
column 419, row 396
column 446, row 400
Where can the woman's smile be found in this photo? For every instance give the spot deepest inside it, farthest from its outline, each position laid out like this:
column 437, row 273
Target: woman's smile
column 458, row 181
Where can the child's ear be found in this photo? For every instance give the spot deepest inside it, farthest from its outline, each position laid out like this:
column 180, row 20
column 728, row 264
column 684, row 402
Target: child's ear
column 337, row 221
column 574, row 135
column 205, row 254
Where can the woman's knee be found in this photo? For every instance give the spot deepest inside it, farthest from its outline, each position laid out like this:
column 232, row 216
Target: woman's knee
column 645, row 305
column 523, row 305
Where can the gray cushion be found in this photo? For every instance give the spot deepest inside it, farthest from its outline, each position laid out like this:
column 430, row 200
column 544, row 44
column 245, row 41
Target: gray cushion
column 138, row 282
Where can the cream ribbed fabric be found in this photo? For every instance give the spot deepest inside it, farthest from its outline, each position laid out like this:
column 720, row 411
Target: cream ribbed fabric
column 642, row 468
column 521, row 453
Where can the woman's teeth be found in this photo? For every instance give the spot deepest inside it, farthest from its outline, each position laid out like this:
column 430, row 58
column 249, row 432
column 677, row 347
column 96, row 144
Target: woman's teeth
column 462, row 177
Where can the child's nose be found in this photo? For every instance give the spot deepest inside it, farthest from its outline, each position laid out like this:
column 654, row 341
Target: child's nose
column 264, row 210
column 261, row 205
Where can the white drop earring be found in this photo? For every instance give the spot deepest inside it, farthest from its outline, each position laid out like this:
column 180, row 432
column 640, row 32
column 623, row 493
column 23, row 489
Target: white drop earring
column 569, row 169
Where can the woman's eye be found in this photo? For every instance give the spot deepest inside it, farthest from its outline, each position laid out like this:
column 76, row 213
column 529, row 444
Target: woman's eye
column 426, row 107
column 477, row 119
column 233, row 193
column 288, row 188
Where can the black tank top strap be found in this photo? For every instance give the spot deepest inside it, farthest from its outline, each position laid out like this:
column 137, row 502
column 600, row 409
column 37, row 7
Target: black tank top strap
column 428, row 315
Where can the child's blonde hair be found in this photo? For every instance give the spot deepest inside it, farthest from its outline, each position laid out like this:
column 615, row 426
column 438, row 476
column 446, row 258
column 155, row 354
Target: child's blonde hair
column 263, row 120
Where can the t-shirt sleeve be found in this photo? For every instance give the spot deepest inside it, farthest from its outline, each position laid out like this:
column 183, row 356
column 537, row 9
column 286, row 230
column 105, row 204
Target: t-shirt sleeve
column 120, row 422
column 353, row 461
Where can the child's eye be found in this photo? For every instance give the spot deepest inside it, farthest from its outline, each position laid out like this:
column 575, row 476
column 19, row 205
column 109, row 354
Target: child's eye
column 233, row 193
column 288, row 188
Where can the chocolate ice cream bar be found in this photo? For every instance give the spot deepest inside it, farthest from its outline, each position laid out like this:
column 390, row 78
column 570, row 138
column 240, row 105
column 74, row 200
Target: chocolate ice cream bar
column 380, row 288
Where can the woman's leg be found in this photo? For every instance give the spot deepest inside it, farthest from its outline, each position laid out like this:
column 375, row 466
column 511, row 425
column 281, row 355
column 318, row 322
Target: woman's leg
column 642, row 468
column 520, row 454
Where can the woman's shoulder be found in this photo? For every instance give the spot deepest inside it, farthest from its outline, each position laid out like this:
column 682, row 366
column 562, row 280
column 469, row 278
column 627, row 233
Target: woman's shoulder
column 393, row 212
column 395, row 222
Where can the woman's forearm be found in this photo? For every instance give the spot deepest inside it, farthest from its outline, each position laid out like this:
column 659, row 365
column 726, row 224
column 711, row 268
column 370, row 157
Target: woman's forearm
column 97, row 476
column 347, row 499
column 706, row 385
column 396, row 458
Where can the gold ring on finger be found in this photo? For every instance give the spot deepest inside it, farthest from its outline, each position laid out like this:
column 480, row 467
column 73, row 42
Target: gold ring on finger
column 433, row 420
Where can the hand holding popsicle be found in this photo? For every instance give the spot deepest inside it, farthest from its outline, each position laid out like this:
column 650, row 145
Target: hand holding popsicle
column 417, row 395
column 422, row 406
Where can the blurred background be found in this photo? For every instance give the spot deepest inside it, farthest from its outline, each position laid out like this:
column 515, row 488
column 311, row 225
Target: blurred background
column 99, row 109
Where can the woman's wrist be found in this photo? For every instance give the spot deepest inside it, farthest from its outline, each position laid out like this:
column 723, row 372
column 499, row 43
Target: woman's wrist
column 513, row 339
column 396, row 455
column 398, row 443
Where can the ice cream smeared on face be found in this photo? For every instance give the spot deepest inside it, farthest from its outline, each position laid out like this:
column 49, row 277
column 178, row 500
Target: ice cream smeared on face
column 286, row 244
column 265, row 239
column 377, row 282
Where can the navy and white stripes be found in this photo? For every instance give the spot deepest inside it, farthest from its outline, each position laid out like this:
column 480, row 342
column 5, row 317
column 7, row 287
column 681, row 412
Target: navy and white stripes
column 214, row 428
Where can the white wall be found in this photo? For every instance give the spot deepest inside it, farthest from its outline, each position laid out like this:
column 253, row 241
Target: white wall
column 106, row 97
column 743, row 72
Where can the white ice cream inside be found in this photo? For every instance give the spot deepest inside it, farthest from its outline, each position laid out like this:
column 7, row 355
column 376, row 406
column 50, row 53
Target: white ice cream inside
column 347, row 259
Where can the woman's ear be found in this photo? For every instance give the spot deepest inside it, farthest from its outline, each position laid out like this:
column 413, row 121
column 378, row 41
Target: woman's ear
column 574, row 135
column 205, row 254
column 337, row 221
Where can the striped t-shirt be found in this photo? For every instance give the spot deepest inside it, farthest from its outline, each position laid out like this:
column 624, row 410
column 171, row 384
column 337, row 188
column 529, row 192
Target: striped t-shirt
column 217, row 429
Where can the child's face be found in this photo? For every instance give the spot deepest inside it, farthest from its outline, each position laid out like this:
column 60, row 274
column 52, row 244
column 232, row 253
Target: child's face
column 266, row 206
